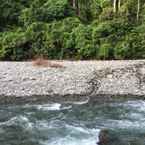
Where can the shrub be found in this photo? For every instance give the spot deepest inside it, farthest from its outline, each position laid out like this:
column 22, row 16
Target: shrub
column 14, row 45
column 83, row 42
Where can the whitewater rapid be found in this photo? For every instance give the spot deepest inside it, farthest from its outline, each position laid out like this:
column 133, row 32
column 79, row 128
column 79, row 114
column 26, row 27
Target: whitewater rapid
column 70, row 123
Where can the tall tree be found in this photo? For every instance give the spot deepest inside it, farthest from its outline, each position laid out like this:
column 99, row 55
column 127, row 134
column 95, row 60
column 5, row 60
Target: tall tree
column 119, row 5
column 78, row 4
column 138, row 10
column 116, row 5
column 73, row 3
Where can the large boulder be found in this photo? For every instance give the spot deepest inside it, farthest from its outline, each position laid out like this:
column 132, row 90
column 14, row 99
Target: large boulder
column 111, row 137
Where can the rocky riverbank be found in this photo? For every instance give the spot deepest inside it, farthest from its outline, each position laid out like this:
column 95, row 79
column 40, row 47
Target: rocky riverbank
column 25, row 82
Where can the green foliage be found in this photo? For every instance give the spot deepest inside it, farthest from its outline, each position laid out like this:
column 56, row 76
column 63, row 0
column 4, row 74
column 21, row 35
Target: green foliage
column 83, row 41
column 46, row 11
column 10, row 11
column 56, row 30
column 14, row 45
column 134, row 44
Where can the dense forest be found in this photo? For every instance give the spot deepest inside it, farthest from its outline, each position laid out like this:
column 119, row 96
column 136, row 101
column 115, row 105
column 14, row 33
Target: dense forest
column 72, row 29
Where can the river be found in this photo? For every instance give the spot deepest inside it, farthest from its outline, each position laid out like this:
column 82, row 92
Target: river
column 71, row 123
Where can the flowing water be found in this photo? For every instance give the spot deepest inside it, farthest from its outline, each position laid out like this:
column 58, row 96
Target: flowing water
column 71, row 124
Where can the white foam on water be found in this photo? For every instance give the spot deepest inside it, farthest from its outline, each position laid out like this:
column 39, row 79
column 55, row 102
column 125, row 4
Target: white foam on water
column 66, row 107
column 136, row 116
column 57, row 106
column 125, row 124
column 49, row 107
column 77, row 129
column 137, row 104
column 15, row 119
column 23, row 121
column 87, row 137
column 81, row 102
column 72, row 141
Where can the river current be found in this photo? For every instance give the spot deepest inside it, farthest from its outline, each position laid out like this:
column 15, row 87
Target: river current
column 71, row 123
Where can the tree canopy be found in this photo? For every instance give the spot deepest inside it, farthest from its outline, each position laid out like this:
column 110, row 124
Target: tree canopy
column 72, row 29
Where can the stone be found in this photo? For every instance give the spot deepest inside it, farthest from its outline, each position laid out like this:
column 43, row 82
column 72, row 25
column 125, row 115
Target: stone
column 109, row 137
column 78, row 78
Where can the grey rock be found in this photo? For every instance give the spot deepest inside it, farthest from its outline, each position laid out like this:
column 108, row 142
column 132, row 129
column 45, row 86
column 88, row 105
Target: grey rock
column 80, row 79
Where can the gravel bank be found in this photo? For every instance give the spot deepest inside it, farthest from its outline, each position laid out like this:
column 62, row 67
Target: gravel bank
column 22, row 81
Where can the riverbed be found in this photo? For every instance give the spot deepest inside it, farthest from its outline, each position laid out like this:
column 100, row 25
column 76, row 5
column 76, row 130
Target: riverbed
column 22, row 82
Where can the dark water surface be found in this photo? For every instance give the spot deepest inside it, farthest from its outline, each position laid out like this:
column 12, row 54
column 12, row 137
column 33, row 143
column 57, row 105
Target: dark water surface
column 71, row 124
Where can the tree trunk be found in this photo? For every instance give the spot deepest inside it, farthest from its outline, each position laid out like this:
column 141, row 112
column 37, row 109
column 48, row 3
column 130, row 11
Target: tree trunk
column 138, row 10
column 77, row 8
column 114, row 5
column 74, row 3
column 119, row 5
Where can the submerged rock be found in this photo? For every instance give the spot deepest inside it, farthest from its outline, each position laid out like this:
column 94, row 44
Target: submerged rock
column 110, row 137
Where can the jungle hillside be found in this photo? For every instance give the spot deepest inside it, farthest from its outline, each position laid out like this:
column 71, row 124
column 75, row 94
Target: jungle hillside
column 72, row 29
